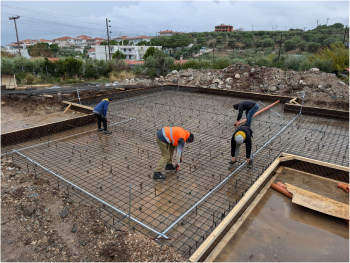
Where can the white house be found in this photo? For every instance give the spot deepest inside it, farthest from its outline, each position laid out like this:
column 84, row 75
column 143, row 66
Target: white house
column 64, row 41
column 131, row 52
column 136, row 40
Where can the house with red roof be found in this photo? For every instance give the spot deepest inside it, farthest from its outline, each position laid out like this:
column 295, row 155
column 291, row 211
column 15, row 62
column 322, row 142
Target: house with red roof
column 64, row 41
column 224, row 28
column 136, row 40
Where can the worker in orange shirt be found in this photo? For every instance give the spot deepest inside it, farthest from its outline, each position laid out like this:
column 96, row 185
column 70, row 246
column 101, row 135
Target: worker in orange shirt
column 168, row 138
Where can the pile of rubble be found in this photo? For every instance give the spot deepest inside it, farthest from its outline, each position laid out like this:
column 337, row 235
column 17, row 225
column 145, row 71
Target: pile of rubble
column 321, row 89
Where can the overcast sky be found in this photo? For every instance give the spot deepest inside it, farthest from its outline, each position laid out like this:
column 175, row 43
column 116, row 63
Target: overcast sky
column 53, row 19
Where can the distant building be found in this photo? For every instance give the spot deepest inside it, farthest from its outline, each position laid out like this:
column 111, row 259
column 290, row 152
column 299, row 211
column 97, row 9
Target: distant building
column 168, row 33
column 224, row 28
column 136, row 40
column 130, row 52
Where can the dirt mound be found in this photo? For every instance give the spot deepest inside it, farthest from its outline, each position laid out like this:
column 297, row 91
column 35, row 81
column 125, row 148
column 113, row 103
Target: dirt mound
column 40, row 223
column 321, row 89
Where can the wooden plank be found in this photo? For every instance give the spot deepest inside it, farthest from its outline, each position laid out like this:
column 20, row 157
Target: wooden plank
column 318, row 202
column 308, row 160
column 218, row 230
column 78, row 105
column 313, row 175
column 217, row 250
column 287, row 158
column 48, row 96
column 67, row 108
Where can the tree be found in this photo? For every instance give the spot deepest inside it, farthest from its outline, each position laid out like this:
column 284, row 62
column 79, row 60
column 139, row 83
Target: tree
column 200, row 40
column 247, row 42
column 118, row 55
column 313, row 47
column 54, row 48
column 268, row 42
column 40, row 50
column 302, row 45
column 337, row 53
column 232, row 43
column 290, row 45
column 111, row 42
column 219, row 39
column 149, row 52
column 144, row 43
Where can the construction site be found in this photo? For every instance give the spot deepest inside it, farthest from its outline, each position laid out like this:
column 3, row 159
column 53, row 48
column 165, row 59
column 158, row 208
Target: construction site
column 205, row 211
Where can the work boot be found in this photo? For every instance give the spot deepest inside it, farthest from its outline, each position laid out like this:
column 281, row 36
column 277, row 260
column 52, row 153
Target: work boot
column 158, row 175
column 108, row 132
column 99, row 130
column 170, row 167
column 232, row 162
column 250, row 165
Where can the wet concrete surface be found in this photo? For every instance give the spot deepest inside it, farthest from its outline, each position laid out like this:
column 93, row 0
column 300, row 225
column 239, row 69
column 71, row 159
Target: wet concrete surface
column 278, row 230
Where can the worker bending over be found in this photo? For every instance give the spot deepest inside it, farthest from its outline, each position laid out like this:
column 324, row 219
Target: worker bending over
column 168, row 138
column 250, row 108
column 100, row 112
column 242, row 135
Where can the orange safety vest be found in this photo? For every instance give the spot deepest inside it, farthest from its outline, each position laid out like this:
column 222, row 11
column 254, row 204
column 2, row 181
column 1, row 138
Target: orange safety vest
column 175, row 133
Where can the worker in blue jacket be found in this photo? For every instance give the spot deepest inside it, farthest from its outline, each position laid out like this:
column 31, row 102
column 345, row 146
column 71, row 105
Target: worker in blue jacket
column 100, row 112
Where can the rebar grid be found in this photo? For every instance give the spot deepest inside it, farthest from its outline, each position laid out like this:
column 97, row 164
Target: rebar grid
column 104, row 166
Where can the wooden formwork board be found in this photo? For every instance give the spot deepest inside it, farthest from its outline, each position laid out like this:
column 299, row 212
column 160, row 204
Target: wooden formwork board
column 27, row 134
column 212, row 245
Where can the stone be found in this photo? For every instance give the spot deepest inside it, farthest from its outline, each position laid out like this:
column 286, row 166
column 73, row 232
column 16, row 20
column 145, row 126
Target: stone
column 341, row 83
column 28, row 211
column 175, row 81
column 32, row 195
column 314, row 69
column 237, row 76
column 174, row 71
column 246, row 74
column 216, row 81
column 263, row 67
column 252, row 70
column 280, row 86
column 83, row 243
column 209, row 73
column 22, row 179
column 273, row 88
column 190, row 78
column 64, row 213
column 229, row 80
column 156, row 79
column 74, row 229
column 36, row 222
column 302, row 82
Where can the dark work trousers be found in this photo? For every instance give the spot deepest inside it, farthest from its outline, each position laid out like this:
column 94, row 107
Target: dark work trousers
column 101, row 119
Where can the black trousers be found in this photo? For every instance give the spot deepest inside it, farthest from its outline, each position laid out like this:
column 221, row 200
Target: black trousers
column 101, row 119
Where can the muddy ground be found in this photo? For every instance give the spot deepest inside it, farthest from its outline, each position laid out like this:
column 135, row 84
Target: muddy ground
column 40, row 223
column 321, row 89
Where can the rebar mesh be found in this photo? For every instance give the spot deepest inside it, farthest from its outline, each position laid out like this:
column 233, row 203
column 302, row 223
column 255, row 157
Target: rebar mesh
column 104, row 166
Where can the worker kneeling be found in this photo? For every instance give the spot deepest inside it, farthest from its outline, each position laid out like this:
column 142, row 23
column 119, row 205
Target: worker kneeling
column 168, row 138
column 242, row 135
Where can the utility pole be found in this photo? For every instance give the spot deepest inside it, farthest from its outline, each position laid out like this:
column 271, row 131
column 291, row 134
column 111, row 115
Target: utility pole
column 14, row 19
column 285, row 28
column 276, row 27
column 109, row 49
column 327, row 21
column 252, row 27
column 106, row 53
column 345, row 34
column 279, row 53
column 304, row 28
column 317, row 23
column 272, row 28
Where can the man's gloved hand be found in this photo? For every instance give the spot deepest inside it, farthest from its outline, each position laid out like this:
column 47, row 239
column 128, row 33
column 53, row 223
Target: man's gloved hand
column 177, row 167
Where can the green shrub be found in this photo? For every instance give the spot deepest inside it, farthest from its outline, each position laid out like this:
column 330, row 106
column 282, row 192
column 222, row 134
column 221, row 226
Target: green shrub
column 293, row 62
